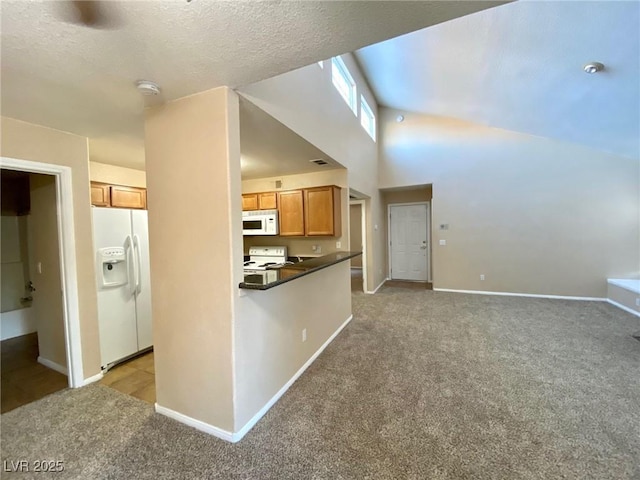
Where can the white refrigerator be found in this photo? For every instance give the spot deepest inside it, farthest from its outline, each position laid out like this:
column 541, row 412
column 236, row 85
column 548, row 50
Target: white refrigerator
column 121, row 244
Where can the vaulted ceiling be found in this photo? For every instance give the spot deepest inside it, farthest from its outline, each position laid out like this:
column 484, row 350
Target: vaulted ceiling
column 79, row 79
column 520, row 67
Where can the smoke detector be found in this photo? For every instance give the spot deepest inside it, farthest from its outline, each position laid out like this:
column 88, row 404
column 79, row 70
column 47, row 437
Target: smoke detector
column 146, row 87
column 593, row 67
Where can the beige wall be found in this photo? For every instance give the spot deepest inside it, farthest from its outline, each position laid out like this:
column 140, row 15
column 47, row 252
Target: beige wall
column 268, row 333
column 44, row 249
column 306, row 101
column 195, row 249
column 26, row 141
column 101, row 172
column 355, row 233
column 532, row 214
column 299, row 245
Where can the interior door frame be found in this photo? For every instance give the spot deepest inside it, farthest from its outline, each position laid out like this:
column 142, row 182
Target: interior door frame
column 363, row 234
column 67, row 257
column 408, row 204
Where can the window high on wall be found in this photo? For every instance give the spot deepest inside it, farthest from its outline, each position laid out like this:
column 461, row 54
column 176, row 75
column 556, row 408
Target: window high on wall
column 367, row 118
column 343, row 81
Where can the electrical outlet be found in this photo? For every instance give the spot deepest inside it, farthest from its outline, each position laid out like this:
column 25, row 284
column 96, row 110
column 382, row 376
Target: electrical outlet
column 313, row 248
column 304, row 334
column 318, row 249
column 338, row 244
column 482, row 277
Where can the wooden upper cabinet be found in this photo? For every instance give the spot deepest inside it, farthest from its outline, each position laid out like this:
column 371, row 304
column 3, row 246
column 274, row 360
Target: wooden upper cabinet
column 322, row 211
column 128, row 197
column 250, row 201
column 267, row 201
column 291, row 213
column 260, row 201
column 100, row 194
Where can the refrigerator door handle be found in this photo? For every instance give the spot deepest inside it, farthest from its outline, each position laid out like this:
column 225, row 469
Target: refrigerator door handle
column 129, row 249
column 136, row 253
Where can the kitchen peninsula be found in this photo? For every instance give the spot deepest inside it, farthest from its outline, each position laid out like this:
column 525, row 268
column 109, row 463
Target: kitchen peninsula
column 287, row 273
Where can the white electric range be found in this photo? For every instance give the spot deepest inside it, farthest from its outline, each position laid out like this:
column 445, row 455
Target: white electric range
column 263, row 262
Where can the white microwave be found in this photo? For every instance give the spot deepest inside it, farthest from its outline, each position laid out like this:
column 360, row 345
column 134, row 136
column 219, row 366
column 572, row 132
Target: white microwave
column 260, row 222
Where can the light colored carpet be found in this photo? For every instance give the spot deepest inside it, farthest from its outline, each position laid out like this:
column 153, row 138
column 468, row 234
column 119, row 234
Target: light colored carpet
column 420, row 385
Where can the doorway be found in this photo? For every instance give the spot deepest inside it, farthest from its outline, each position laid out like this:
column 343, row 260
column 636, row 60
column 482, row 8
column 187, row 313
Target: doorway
column 358, row 243
column 355, row 244
column 34, row 362
column 68, row 292
column 409, row 242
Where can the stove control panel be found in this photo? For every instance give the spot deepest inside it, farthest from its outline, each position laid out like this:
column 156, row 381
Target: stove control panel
column 268, row 251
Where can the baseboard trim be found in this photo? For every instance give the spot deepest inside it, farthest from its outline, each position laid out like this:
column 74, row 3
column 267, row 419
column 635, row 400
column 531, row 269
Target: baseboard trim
column 94, row 378
column 251, row 423
column 623, row 307
column 237, row 436
column 197, row 424
column 53, row 365
column 371, row 292
column 532, row 295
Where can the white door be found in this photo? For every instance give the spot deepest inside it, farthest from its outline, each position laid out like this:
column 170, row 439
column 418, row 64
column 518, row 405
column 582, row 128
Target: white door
column 409, row 249
column 143, row 296
column 116, row 305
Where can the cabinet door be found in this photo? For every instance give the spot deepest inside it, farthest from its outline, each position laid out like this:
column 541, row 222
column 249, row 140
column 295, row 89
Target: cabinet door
column 128, row 197
column 322, row 211
column 250, row 201
column 100, row 195
column 291, row 213
column 267, row 201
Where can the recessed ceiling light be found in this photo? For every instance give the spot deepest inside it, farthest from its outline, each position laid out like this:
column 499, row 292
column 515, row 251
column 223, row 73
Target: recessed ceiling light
column 146, row 87
column 400, row 118
column 593, row 67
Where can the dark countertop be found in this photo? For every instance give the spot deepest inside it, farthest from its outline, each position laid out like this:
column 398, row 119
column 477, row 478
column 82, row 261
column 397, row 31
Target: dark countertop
column 285, row 274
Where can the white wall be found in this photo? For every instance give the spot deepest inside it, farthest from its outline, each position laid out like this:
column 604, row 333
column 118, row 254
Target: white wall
column 306, row 101
column 13, row 262
column 17, row 317
column 532, row 214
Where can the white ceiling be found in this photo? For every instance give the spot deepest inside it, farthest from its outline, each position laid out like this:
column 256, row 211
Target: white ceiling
column 81, row 79
column 519, row 67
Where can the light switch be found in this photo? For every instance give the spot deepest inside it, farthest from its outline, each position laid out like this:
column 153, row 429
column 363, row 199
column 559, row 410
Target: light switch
column 443, row 242
column 39, row 267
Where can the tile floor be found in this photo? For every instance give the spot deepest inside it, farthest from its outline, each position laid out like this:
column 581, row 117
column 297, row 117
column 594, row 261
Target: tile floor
column 135, row 377
column 24, row 380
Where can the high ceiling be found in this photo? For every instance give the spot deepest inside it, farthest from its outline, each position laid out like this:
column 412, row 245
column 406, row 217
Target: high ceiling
column 269, row 149
column 519, row 67
column 81, row 79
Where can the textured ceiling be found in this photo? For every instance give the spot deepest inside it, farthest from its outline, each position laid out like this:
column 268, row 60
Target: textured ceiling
column 80, row 79
column 519, row 67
